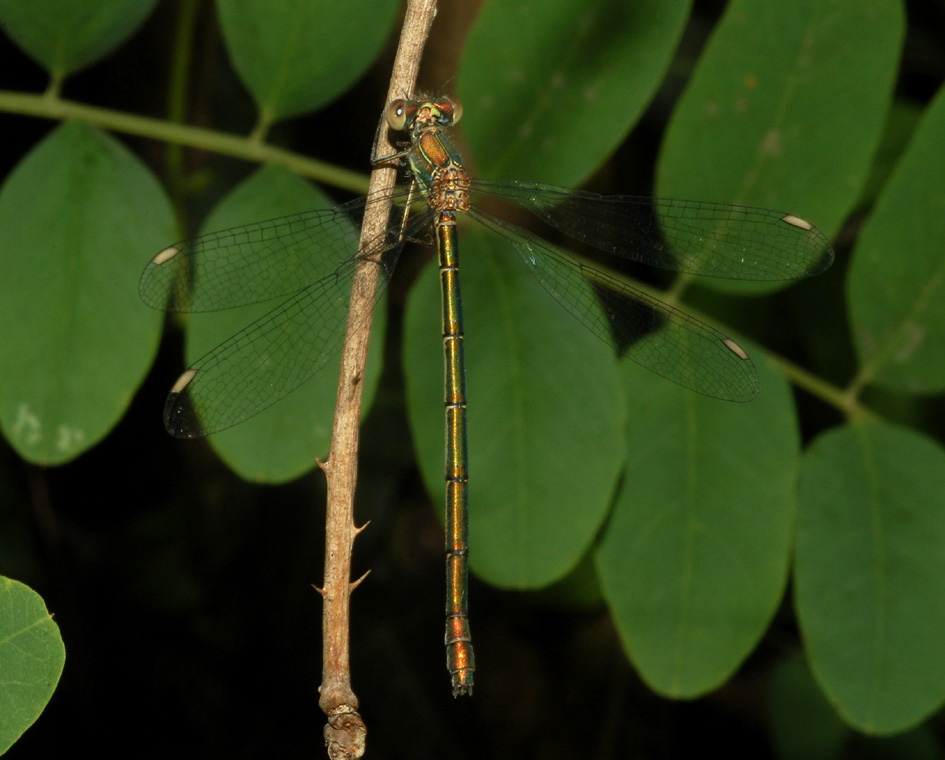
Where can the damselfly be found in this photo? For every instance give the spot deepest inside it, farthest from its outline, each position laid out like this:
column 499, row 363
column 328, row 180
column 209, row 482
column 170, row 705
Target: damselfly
column 274, row 355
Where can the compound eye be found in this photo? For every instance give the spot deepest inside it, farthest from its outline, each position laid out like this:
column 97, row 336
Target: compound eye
column 457, row 109
column 450, row 110
column 397, row 114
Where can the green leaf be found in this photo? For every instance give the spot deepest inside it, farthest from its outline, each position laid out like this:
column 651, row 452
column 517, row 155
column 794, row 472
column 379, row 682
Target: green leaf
column 695, row 557
column 903, row 120
column 64, row 36
column 803, row 725
column 75, row 216
column 870, row 573
column 550, row 89
column 896, row 287
column 281, row 442
column 786, row 107
column 545, row 417
column 31, row 659
column 296, row 55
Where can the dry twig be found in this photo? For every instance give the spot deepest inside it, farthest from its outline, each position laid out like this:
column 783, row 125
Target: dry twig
column 345, row 732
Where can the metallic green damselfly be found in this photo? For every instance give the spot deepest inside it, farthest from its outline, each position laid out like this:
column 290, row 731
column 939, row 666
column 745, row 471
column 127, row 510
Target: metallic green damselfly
column 278, row 352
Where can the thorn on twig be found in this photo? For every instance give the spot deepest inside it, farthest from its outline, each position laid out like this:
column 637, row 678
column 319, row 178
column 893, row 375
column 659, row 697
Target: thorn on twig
column 353, row 586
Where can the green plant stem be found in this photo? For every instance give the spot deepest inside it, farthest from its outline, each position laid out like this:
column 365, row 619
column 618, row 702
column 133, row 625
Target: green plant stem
column 845, row 400
column 177, row 99
column 51, row 107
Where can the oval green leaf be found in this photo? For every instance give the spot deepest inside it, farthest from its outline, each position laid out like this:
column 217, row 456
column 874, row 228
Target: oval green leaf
column 869, row 573
column 549, row 90
column 296, row 55
column 695, row 556
column 786, row 107
column 281, row 442
column 75, row 216
column 32, row 656
column 896, row 287
column 545, row 417
column 64, row 36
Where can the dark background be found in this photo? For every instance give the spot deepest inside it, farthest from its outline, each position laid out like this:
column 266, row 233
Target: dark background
column 184, row 593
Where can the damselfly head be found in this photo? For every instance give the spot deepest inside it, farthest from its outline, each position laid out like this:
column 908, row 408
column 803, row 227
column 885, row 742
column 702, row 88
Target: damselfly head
column 403, row 115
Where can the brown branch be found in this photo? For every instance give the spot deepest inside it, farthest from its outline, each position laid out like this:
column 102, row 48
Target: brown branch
column 345, row 732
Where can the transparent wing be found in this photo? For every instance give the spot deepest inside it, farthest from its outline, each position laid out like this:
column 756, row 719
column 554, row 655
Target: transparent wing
column 278, row 352
column 267, row 360
column 651, row 333
column 711, row 239
column 257, row 262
